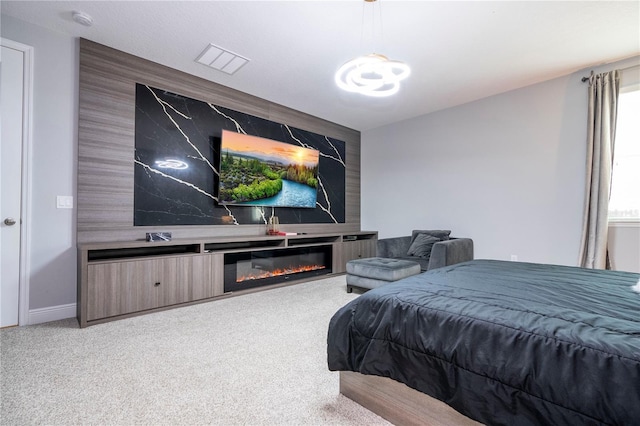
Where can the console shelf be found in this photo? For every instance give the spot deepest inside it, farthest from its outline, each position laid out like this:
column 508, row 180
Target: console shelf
column 138, row 252
column 123, row 279
column 243, row 245
column 311, row 240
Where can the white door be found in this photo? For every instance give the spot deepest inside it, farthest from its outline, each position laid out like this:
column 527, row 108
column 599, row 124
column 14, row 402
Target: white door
column 12, row 125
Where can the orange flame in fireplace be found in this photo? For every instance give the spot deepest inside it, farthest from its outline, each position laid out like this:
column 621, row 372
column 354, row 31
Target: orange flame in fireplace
column 279, row 272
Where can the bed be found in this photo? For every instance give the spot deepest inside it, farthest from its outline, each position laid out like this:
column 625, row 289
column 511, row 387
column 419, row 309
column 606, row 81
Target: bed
column 502, row 343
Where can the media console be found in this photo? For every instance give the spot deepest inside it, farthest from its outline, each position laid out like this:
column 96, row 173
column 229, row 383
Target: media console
column 122, row 279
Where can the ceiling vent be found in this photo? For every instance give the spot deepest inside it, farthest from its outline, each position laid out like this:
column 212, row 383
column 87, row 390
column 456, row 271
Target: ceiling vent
column 221, row 59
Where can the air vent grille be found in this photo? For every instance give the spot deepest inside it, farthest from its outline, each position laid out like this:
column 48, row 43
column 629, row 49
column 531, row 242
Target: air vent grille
column 221, row 59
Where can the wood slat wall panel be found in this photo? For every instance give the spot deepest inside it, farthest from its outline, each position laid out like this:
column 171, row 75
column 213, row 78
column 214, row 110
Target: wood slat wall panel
column 106, row 133
column 352, row 183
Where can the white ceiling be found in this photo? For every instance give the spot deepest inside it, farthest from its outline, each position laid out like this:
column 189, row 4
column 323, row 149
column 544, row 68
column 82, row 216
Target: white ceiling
column 459, row 51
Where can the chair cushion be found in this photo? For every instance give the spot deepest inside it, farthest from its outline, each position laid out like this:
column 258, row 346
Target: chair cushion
column 381, row 268
column 443, row 235
column 422, row 261
column 422, row 245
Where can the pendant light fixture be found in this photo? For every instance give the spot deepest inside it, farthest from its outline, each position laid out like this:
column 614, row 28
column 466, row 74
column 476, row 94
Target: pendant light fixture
column 372, row 75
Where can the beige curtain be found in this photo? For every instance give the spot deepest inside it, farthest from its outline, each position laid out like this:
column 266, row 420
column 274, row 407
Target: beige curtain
column 602, row 112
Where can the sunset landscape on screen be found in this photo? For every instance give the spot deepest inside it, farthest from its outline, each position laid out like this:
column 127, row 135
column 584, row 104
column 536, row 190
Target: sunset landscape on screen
column 267, row 149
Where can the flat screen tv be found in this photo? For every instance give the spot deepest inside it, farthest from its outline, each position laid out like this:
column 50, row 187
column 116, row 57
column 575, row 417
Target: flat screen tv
column 255, row 171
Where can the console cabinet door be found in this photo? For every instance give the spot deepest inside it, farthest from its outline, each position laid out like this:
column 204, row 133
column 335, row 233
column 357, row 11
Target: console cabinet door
column 358, row 249
column 195, row 273
column 170, row 288
column 118, row 288
column 123, row 287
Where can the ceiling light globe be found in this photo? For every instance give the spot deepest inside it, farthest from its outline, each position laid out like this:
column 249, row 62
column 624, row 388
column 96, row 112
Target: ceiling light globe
column 372, row 75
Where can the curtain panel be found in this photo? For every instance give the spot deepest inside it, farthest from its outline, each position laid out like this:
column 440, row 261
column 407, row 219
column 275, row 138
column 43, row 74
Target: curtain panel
column 601, row 129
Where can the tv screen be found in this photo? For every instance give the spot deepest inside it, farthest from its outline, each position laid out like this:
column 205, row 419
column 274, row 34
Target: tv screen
column 256, row 171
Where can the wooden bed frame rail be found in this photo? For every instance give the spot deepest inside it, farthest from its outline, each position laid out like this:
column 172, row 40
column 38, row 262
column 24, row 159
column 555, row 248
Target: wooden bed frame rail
column 398, row 403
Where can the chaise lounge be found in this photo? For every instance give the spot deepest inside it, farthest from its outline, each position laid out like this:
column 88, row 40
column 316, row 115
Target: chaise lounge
column 402, row 257
column 422, row 247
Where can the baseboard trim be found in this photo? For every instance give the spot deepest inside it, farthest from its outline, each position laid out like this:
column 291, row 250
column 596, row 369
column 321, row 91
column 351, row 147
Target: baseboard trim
column 52, row 313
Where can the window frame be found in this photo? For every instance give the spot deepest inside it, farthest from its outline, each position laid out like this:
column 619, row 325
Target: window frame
column 630, row 82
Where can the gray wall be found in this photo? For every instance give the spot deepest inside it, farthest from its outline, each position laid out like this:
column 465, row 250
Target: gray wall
column 507, row 171
column 52, row 257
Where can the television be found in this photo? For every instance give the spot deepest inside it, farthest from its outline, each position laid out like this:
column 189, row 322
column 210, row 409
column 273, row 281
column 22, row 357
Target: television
column 256, row 171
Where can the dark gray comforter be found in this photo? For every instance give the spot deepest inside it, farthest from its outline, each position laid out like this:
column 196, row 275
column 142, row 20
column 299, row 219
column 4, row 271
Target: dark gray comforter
column 503, row 342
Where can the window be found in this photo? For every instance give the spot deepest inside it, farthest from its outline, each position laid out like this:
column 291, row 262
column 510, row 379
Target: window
column 624, row 204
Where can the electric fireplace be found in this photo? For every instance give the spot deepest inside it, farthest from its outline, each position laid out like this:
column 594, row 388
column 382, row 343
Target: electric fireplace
column 247, row 270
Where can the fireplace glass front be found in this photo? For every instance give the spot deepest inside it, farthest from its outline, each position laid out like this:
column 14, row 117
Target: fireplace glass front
column 266, row 267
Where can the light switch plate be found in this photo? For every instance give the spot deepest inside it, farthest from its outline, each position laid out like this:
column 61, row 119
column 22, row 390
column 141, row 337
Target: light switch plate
column 64, row 202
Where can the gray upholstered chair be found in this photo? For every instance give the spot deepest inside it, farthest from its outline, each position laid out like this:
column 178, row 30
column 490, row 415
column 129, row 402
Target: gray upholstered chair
column 437, row 248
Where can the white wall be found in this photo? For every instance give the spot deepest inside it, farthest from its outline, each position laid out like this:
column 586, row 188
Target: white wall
column 507, row 171
column 52, row 260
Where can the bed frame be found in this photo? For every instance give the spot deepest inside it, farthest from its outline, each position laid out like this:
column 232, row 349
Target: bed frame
column 398, row 403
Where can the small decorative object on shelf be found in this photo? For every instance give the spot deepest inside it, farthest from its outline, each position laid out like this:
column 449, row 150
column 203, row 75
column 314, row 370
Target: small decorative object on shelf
column 273, row 227
column 158, row 236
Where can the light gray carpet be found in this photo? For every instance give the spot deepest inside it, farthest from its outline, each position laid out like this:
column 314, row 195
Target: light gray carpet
column 256, row 359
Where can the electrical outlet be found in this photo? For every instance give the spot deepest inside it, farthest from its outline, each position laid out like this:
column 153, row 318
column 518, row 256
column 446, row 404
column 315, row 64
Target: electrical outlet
column 514, row 257
column 64, row 202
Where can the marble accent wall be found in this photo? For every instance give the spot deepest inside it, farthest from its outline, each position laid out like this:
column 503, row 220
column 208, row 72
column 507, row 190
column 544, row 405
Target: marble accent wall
column 107, row 168
column 177, row 142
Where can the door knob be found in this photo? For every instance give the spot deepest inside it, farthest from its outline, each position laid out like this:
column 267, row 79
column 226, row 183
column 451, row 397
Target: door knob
column 9, row 221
